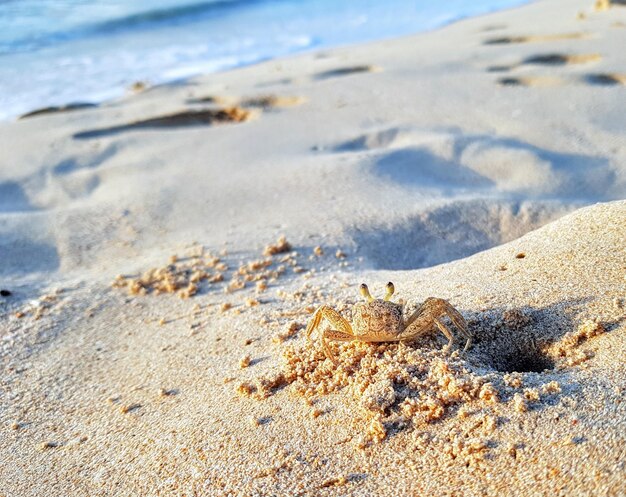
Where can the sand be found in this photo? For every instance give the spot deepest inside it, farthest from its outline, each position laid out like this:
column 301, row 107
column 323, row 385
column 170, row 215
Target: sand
column 152, row 324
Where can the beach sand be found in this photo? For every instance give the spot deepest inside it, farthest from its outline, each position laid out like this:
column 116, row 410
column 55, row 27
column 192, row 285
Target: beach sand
column 163, row 253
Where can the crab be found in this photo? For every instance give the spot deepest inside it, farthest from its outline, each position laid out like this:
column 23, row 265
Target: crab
column 380, row 320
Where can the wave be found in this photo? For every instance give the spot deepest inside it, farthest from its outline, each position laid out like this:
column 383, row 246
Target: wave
column 174, row 15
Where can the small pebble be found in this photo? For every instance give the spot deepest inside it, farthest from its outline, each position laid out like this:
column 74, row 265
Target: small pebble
column 49, row 445
column 316, row 413
column 244, row 362
column 128, row 408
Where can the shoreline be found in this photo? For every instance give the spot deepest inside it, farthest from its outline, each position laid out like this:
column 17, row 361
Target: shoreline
column 147, row 81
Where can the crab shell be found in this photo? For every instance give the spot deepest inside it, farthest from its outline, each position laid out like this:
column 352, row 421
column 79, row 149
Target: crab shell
column 378, row 318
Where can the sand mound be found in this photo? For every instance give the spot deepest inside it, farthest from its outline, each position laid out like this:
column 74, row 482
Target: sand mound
column 523, row 359
column 450, row 232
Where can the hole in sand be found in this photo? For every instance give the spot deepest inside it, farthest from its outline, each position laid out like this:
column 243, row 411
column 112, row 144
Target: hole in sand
column 510, row 340
column 532, row 340
column 530, row 360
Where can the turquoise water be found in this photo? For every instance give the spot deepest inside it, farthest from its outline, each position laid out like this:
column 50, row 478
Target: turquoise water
column 53, row 52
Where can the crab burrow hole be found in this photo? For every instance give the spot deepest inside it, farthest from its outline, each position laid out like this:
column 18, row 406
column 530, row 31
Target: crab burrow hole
column 526, row 359
column 512, row 341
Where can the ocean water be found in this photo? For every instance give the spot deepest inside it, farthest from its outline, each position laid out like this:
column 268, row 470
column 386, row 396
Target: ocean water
column 54, row 52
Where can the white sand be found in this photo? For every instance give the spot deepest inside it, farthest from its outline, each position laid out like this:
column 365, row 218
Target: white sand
column 435, row 147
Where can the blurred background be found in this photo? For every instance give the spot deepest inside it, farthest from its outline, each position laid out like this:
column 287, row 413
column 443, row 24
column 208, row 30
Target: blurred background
column 55, row 52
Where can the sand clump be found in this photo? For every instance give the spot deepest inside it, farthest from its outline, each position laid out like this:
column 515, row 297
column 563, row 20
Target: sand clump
column 49, row 303
column 185, row 275
column 289, row 331
column 280, row 247
column 245, row 361
column 395, row 386
column 201, row 274
column 182, row 277
column 568, row 347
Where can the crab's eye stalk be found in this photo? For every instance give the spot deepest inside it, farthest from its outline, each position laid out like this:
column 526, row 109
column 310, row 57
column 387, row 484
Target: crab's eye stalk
column 390, row 289
column 365, row 292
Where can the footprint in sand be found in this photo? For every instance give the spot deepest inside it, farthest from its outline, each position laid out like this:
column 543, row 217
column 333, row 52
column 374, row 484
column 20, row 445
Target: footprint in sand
column 493, row 27
column 329, row 74
column 550, row 59
column 602, row 5
column 505, row 40
column 13, row 198
column 413, row 157
column 264, row 102
column 56, row 110
column 606, row 79
column 557, row 59
column 269, row 102
column 344, row 71
column 206, row 117
column 233, row 110
column 541, row 81
column 553, row 59
column 546, row 81
column 210, row 99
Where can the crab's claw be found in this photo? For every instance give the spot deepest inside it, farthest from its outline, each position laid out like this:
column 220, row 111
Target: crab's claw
column 365, row 292
column 390, row 289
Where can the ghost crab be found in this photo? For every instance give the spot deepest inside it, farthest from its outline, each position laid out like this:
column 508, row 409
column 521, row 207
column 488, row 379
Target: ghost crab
column 380, row 320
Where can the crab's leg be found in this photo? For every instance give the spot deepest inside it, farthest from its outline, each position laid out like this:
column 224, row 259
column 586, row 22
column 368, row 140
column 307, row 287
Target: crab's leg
column 332, row 316
column 314, row 323
column 343, row 329
column 334, row 335
column 467, row 335
column 459, row 321
column 444, row 329
column 414, row 316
